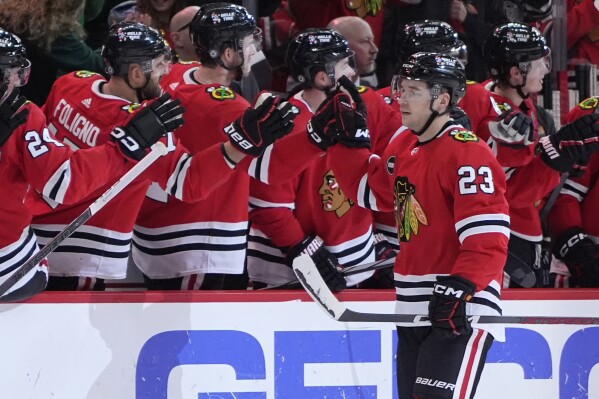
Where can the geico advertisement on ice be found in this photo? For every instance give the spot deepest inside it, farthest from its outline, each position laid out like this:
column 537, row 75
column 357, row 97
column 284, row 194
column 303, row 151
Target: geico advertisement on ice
column 280, row 350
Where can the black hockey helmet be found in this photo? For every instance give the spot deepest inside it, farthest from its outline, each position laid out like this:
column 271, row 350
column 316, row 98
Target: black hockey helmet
column 218, row 26
column 513, row 44
column 14, row 64
column 440, row 71
column 132, row 43
column 430, row 36
column 315, row 50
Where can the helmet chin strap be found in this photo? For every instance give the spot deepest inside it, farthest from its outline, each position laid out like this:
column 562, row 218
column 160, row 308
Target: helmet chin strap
column 521, row 86
column 434, row 115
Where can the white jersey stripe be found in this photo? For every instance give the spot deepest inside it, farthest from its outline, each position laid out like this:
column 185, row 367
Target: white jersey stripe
column 56, row 187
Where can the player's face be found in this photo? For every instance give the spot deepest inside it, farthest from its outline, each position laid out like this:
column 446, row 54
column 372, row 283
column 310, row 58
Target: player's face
column 160, row 67
column 343, row 68
column 536, row 72
column 332, row 196
column 251, row 46
column 414, row 101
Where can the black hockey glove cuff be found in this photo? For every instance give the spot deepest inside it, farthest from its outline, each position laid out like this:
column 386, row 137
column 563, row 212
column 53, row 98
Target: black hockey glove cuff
column 325, row 262
column 447, row 306
column 580, row 254
column 459, row 116
column 147, row 125
column 10, row 119
column 259, row 127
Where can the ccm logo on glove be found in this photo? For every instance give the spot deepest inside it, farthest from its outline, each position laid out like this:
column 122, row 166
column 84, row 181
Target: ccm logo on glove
column 449, row 291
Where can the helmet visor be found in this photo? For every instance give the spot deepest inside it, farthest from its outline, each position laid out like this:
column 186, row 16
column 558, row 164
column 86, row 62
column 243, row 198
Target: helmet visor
column 18, row 76
column 160, row 65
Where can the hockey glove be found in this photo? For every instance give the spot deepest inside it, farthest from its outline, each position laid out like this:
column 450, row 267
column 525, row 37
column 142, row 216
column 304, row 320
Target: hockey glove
column 351, row 124
column 447, row 306
column 570, row 144
column 580, row 254
column 459, row 116
column 325, row 262
column 321, row 127
column 146, row 126
column 259, row 127
column 513, row 129
column 10, row 119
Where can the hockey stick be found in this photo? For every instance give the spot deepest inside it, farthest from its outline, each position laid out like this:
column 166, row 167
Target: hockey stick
column 158, row 150
column 348, row 271
column 308, row 275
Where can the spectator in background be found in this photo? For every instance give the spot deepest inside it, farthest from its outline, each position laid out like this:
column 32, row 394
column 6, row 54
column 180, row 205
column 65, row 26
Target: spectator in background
column 121, row 12
column 179, row 28
column 158, row 14
column 53, row 36
column 583, row 31
column 361, row 40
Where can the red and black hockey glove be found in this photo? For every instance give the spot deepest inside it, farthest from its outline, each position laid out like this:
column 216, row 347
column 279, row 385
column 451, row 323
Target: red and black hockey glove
column 351, row 123
column 325, row 262
column 10, row 119
column 513, row 129
column 147, row 125
column 259, row 127
column 581, row 255
column 321, row 127
column 570, row 144
column 447, row 306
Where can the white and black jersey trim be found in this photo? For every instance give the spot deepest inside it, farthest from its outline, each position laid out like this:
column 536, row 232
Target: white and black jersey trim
column 574, row 189
column 258, row 168
column 366, row 198
column 176, row 180
column 15, row 254
column 483, row 224
column 189, row 246
column 390, row 233
column 96, row 243
column 256, row 203
column 416, row 291
column 56, row 187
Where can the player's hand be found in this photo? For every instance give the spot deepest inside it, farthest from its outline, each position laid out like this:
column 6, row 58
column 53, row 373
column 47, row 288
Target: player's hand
column 447, row 306
column 10, row 119
column 570, row 144
column 325, row 262
column 513, row 129
column 580, row 254
column 259, row 127
column 351, row 121
column 321, row 127
column 147, row 125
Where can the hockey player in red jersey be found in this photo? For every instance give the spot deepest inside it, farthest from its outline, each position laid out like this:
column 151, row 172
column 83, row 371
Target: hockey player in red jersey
column 311, row 212
column 190, row 246
column 518, row 60
column 574, row 218
column 81, row 109
column 31, row 159
column 448, row 193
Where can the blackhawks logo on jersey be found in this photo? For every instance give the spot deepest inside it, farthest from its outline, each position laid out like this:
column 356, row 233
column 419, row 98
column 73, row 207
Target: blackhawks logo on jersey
column 589, row 103
column 463, row 136
column 364, row 8
column 362, row 89
column 221, row 93
column 408, row 212
column 333, row 198
column 131, row 108
column 85, row 74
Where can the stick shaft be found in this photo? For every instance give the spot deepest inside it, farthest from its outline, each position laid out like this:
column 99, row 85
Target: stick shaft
column 158, row 150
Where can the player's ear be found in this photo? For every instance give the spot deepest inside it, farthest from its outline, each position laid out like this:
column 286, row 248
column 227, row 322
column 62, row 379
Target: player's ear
column 136, row 74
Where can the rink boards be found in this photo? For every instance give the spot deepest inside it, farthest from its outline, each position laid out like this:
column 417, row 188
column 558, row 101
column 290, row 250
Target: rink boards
column 266, row 345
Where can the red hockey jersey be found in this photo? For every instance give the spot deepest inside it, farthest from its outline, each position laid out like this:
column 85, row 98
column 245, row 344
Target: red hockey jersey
column 578, row 202
column 449, row 198
column 521, row 166
column 32, row 159
column 83, row 116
